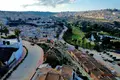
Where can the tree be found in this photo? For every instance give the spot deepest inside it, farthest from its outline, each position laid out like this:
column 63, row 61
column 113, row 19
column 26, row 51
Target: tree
column 97, row 47
column 17, row 33
column 70, row 30
column 75, row 41
column 105, row 42
column 83, row 42
column 89, row 44
column 79, row 42
column 1, row 28
column 88, row 35
column 6, row 31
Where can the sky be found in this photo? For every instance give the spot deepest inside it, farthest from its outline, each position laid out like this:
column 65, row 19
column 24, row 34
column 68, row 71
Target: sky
column 57, row 5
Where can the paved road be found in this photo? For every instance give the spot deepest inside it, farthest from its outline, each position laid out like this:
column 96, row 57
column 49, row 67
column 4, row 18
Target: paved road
column 61, row 37
column 29, row 65
column 62, row 33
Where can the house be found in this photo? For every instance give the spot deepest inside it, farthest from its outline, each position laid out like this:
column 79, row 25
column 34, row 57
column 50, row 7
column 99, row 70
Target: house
column 14, row 49
column 96, row 70
column 10, row 52
column 45, row 72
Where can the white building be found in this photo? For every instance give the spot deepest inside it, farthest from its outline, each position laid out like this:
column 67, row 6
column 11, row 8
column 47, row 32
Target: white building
column 10, row 50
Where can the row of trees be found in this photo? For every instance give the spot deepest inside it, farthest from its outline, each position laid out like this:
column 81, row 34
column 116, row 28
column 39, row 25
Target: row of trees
column 83, row 43
column 5, row 30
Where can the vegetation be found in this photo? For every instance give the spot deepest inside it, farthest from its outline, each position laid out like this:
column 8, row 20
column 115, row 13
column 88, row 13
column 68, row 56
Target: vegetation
column 44, row 47
column 3, row 29
column 17, row 33
column 76, row 36
column 80, row 32
column 1, row 25
column 9, row 37
column 104, row 33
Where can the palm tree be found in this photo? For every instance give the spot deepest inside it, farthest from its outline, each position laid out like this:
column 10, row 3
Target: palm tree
column 6, row 31
column 17, row 33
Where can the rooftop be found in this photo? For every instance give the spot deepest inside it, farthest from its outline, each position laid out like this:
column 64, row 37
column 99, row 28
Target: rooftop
column 47, row 73
column 95, row 67
column 67, row 72
column 53, row 75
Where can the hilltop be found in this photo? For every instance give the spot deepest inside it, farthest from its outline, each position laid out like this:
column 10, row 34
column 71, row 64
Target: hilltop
column 105, row 14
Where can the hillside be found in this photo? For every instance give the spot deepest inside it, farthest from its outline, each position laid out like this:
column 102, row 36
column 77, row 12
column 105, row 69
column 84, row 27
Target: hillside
column 106, row 14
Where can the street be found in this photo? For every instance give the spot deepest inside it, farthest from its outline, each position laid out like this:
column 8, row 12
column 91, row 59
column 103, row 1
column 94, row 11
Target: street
column 26, row 69
column 61, row 37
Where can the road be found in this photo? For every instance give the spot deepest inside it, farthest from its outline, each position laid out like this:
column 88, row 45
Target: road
column 26, row 69
column 69, row 45
column 62, row 33
column 61, row 37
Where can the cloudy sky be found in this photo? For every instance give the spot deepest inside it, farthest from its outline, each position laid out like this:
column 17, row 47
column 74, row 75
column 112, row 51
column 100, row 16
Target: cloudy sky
column 57, row 5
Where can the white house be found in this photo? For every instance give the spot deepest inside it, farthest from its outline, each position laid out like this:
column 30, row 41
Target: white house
column 10, row 50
